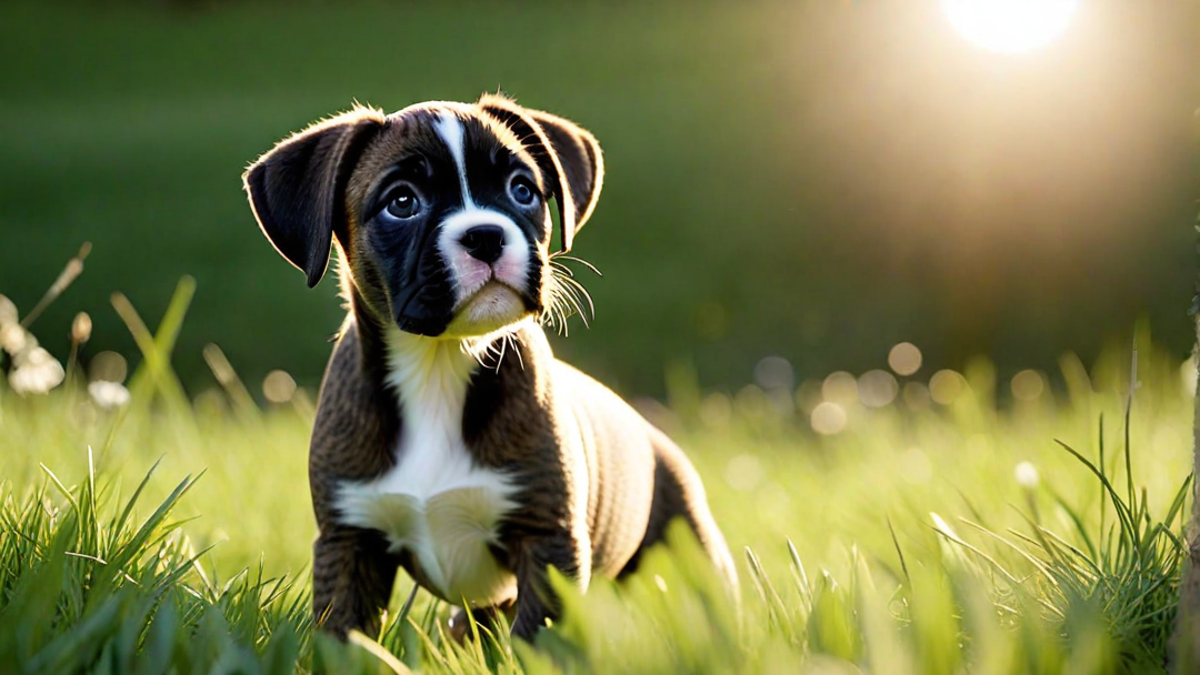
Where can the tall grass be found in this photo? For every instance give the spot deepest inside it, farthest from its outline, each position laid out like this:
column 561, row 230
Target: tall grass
column 87, row 587
column 903, row 544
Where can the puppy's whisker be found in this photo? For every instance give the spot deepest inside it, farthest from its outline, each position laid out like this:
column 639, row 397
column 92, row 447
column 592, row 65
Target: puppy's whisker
column 567, row 274
column 550, row 312
column 570, row 297
column 578, row 310
column 559, row 255
column 578, row 294
column 499, row 346
column 516, row 349
column 553, row 315
column 562, row 304
column 475, row 350
column 574, row 287
column 479, row 358
column 560, row 268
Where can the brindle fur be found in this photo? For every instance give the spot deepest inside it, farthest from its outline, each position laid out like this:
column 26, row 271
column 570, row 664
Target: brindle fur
column 597, row 484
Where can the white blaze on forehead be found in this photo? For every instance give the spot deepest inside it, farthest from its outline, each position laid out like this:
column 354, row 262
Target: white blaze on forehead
column 450, row 128
column 467, row 274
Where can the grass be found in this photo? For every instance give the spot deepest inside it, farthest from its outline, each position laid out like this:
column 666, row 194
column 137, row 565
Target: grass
column 173, row 536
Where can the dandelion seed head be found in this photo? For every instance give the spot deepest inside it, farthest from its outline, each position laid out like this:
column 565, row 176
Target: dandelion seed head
column 1027, row 475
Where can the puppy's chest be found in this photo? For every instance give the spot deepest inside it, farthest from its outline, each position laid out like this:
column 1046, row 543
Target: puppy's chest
column 436, row 502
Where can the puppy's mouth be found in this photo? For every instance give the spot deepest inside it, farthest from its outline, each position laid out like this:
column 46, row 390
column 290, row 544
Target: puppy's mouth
column 493, row 306
column 476, row 282
column 486, row 286
column 491, row 300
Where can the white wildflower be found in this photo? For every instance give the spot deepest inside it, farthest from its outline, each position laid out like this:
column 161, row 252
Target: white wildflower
column 8, row 312
column 13, row 338
column 108, row 395
column 35, row 371
column 1027, row 475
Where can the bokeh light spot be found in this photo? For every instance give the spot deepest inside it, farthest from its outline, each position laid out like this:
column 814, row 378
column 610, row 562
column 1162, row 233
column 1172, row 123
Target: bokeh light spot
column 278, row 387
column 877, row 388
column 904, row 358
column 840, row 387
column 946, row 386
column 774, row 372
column 752, row 402
column 1027, row 385
column 828, row 418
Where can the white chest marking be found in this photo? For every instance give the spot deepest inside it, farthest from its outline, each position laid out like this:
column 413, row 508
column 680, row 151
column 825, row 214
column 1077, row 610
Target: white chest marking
column 435, row 502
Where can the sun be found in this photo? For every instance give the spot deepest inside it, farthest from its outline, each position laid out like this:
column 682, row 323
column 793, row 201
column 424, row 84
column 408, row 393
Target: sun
column 1010, row 26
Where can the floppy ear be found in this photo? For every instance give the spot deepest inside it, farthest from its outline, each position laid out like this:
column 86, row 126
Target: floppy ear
column 298, row 189
column 567, row 154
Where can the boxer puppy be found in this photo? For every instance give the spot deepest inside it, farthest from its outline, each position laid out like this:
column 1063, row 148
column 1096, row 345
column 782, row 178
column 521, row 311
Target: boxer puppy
column 448, row 439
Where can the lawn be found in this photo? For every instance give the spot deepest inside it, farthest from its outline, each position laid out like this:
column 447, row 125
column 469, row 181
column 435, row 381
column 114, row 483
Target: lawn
column 945, row 535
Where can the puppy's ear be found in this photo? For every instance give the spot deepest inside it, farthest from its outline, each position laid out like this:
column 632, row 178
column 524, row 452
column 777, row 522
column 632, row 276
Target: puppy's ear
column 298, row 189
column 566, row 153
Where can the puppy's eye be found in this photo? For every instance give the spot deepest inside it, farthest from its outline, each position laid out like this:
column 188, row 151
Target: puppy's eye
column 522, row 191
column 404, row 203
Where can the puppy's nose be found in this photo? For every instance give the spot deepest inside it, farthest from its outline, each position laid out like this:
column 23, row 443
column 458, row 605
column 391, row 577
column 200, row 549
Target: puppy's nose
column 484, row 242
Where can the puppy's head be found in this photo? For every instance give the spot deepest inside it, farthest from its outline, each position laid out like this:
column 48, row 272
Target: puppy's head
column 441, row 210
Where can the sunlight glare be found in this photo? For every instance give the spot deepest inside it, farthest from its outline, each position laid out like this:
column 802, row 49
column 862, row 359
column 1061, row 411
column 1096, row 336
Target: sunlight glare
column 1010, row 26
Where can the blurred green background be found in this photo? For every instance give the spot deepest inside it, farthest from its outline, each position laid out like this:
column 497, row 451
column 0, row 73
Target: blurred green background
column 818, row 180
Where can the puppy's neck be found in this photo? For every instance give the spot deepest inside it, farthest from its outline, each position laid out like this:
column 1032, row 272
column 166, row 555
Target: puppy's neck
column 425, row 369
column 437, row 370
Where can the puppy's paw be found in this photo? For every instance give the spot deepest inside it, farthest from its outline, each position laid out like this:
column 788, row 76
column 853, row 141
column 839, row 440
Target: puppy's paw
column 459, row 628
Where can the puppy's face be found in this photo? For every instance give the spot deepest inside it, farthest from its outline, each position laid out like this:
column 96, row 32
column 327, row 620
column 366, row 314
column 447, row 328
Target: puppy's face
column 442, row 210
column 451, row 225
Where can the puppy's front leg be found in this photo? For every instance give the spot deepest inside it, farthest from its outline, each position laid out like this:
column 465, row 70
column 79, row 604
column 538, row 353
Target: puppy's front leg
column 352, row 579
column 536, row 601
